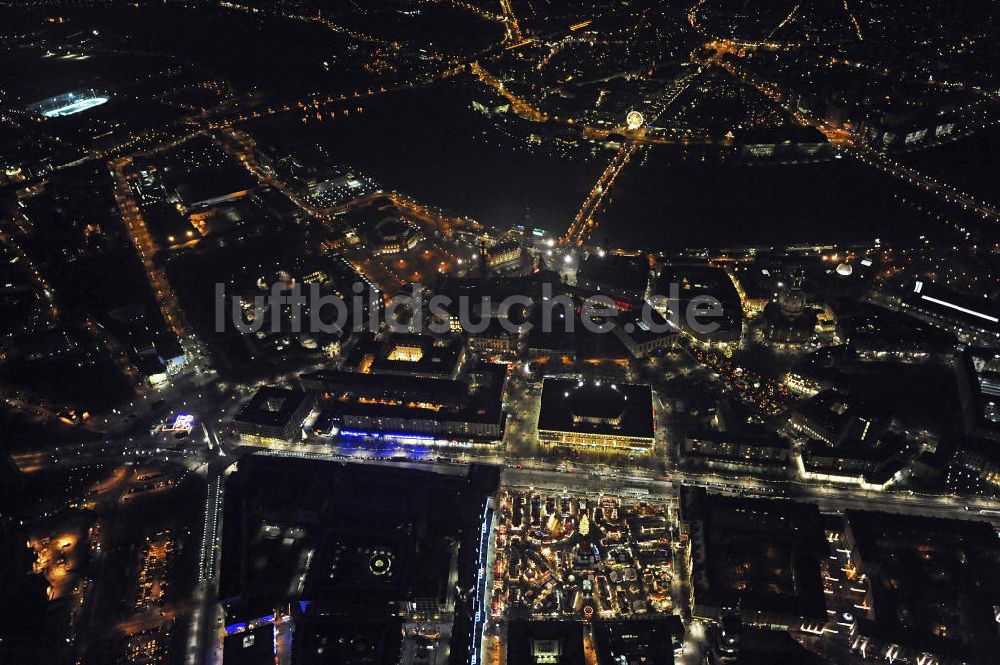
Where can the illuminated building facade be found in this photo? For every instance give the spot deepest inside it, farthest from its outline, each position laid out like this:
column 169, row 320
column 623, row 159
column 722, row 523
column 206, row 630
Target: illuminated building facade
column 393, row 235
column 592, row 414
column 645, row 335
column 495, row 340
column 787, row 142
column 414, row 409
column 504, row 253
column 737, row 451
column 273, row 416
column 406, row 354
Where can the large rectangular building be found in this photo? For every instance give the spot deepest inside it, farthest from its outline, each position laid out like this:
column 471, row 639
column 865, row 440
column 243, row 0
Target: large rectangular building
column 273, row 416
column 355, row 551
column 594, row 414
column 933, row 588
column 255, row 646
column 545, row 643
column 645, row 333
column 623, row 278
column 636, row 642
column 407, row 354
column 737, row 451
column 682, row 293
column 760, row 557
column 414, row 408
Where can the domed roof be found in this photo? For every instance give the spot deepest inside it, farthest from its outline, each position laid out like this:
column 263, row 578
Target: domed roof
column 845, row 269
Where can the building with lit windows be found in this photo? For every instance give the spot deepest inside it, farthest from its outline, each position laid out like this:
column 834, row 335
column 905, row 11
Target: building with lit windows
column 504, row 253
column 827, row 418
column 803, row 384
column 545, row 643
column 349, row 554
column 685, row 293
column 393, row 235
column 594, row 414
column 408, row 354
column 645, row 333
column 760, row 557
column 756, row 286
column 486, row 298
column 974, row 467
column 737, row 451
column 253, row 646
column 646, row 641
column 414, row 409
column 273, row 416
column 932, row 588
column 736, row 644
column 496, row 340
column 839, row 441
column 788, row 142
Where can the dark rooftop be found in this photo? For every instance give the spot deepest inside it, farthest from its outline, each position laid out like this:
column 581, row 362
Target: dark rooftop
column 596, row 401
column 646, row 326
column 621, row 275
column 697, row 279
column 933, row 582
column 759, row 555
column 646, row 642
column 545, row 642
column 569, row 405
column 691, row 281
column 209, row 183
column 783, row 134
column 376, row 386
column 770, row 647
column 377, row 535
column 271, row 407
column 250, row 647
column 321, row 642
